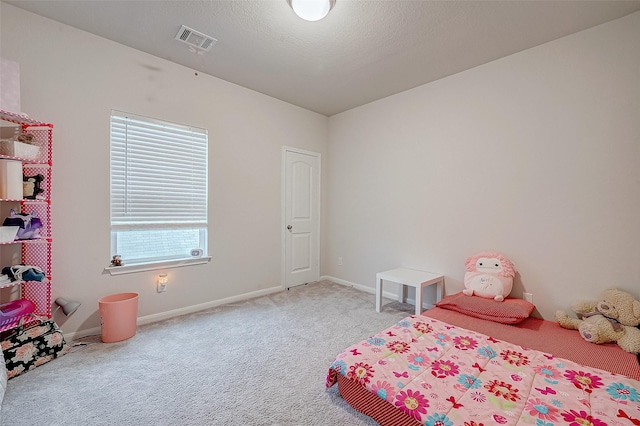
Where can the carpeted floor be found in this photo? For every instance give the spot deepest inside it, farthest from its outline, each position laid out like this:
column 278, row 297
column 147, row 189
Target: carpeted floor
column 257, row 362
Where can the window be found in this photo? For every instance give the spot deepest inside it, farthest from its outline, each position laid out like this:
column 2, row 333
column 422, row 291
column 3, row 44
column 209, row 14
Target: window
column 158, row 192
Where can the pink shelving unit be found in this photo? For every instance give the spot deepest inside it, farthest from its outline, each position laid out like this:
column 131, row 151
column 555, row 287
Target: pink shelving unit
column 36, row 252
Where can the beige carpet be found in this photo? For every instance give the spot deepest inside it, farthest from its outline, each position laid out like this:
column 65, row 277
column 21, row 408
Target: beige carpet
column 258, row 362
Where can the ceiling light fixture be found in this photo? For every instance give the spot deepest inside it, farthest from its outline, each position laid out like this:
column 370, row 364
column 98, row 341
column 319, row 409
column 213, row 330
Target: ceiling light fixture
column 311, row 10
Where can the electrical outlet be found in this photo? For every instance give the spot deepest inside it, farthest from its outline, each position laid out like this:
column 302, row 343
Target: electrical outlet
column 162, row 287
column 339, row 261
column 528, row 297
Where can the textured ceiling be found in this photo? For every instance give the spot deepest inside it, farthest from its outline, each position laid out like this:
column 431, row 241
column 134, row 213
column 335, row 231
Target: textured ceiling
column 362, row 51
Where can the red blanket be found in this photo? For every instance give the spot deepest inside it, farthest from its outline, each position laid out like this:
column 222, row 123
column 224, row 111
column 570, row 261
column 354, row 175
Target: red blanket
column 548, row 336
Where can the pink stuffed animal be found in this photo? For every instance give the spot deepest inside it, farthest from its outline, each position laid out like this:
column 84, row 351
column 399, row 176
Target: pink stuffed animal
column 489, row 275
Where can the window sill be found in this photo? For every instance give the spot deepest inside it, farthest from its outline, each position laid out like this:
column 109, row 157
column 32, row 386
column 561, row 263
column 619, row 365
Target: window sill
column 140, row 267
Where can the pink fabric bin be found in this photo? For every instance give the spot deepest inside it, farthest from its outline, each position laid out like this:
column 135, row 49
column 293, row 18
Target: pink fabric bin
column 118, row 316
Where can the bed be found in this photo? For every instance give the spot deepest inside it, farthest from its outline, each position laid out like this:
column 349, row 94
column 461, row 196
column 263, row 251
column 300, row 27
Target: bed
column 447, row 368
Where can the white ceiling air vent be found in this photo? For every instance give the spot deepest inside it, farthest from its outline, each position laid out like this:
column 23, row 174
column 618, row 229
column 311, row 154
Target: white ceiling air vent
column 195, row 39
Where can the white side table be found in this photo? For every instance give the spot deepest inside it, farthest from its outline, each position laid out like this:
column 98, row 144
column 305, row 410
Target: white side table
column 417, row 279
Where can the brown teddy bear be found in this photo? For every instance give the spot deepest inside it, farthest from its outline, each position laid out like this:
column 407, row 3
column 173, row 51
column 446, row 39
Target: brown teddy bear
column 613, row 318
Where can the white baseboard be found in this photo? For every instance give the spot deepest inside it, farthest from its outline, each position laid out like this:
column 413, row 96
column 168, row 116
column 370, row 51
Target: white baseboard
column 148, row 319
column 360, row 287
column 69, row 337
column 387, row 294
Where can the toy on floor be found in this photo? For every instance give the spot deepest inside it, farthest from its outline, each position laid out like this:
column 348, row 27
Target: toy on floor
column 489, row 275
column 613, row 318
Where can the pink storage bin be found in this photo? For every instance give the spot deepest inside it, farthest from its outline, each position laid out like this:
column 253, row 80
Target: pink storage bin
column 11, row 312
column 118, row 316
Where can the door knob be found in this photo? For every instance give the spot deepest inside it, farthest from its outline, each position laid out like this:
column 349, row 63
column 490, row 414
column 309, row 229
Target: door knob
column 289, row 227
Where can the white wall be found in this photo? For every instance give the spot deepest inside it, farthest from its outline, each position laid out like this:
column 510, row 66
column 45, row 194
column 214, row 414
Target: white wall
column 73, row 80
column 536, row 155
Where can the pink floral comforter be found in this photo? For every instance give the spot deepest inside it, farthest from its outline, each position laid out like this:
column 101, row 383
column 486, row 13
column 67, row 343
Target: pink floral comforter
column 444, row 375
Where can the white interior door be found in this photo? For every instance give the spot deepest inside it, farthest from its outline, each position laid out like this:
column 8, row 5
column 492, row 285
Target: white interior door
column 301, row 230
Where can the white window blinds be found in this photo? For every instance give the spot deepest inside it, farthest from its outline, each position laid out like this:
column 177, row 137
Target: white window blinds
column 158, row 173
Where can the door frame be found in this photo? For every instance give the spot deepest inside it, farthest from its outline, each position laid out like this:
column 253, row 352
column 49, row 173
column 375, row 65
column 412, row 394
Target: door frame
column 283, row 220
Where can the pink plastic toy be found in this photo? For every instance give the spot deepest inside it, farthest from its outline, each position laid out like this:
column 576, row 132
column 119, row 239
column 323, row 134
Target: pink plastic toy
column 11, row 312
column 489, row 275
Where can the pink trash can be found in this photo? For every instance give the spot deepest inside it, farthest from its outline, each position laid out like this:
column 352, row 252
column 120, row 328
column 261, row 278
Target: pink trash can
column 118, row 316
